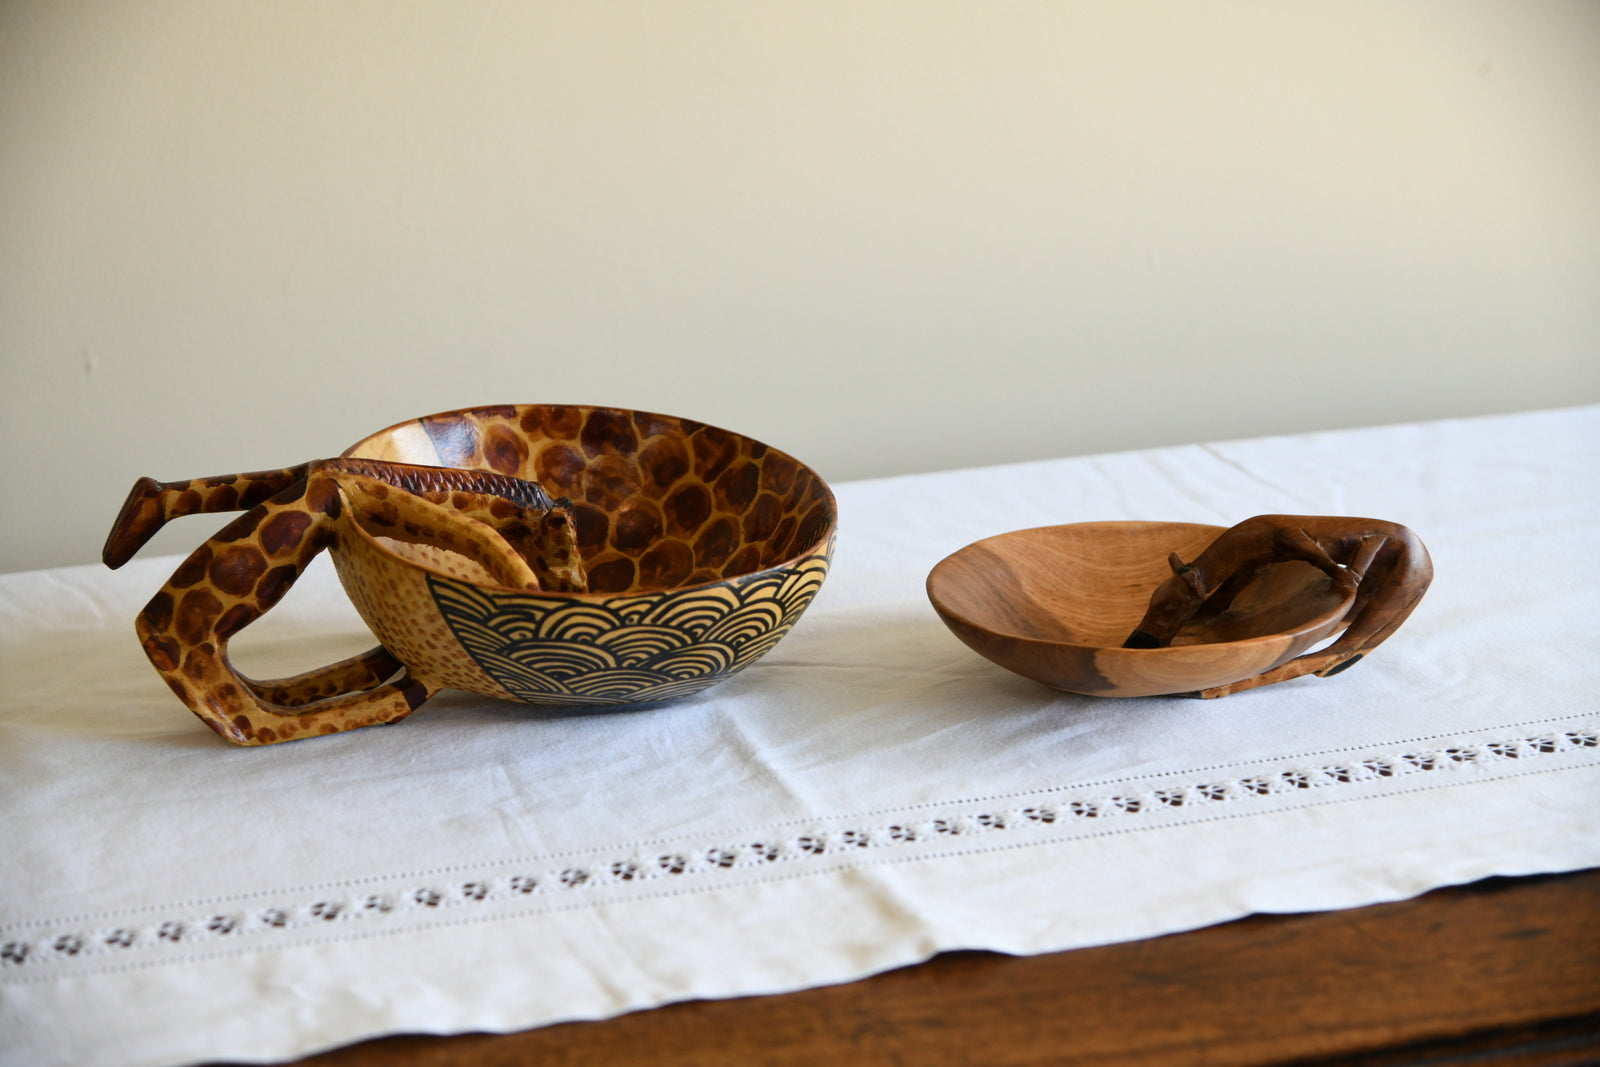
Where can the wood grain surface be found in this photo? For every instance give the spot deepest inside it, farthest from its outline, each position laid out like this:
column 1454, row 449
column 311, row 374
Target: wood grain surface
column 1057, row 603
column 1150, row 608
column 1504, row 971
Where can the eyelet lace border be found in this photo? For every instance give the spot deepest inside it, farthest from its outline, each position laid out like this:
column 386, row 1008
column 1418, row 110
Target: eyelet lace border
column 119, row 936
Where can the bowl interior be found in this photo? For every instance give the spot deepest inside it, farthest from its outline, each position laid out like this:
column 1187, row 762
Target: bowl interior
column 660, row 502
column 1088, row 584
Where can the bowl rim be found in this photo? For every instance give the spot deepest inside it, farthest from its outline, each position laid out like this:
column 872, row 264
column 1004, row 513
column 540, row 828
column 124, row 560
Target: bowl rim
column 819, row 545
column 1332, row 616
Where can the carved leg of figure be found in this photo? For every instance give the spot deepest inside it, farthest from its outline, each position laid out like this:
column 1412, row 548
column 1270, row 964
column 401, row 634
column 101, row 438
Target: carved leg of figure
column 244, row 570
column 150, row 505
column 1319, row 663
column 229, row 582
column 540, row 529
column 354, row 675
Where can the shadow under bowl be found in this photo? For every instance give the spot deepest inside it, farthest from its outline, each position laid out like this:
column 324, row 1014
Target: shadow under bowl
column 1055, row 604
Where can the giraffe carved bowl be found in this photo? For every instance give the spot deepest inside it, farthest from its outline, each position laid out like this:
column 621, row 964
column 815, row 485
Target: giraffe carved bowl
column 696, row 550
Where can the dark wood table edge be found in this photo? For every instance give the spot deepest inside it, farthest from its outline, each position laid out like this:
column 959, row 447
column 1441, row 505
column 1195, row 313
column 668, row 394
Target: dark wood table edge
column 1504, row 971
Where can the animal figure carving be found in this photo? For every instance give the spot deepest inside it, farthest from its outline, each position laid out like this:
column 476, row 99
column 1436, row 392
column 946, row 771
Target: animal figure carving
column 509, row 527
column 499, row 500
column 1385, row 564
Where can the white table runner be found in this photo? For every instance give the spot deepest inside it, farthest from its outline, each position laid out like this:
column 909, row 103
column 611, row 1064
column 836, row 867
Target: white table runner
column 869, row 794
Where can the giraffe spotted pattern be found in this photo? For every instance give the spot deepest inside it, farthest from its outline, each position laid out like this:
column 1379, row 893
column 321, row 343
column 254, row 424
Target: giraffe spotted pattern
column 540, row 553
column 660, row 502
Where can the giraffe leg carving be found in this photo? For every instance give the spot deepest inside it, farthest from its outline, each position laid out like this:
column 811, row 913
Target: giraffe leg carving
column 229, row 582
column 150, row 505
column 354, row 675
column 537, row 528
column 509, row 527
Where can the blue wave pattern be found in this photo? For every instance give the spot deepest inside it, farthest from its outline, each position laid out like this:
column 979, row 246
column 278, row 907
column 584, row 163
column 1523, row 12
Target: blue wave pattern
column 634, row 648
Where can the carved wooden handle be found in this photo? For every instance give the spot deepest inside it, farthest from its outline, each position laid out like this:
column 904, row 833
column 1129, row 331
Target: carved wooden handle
column 238, row 575
column 232, row 580
column 1387, row 565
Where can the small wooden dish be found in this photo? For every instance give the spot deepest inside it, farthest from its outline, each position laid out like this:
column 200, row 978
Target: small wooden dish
column 1056, row 604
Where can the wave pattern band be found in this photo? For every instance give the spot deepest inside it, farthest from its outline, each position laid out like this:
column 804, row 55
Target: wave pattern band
column 635, row 648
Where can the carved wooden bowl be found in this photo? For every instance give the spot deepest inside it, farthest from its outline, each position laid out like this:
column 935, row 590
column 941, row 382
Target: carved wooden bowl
column 1056, row 604
column 702, row 549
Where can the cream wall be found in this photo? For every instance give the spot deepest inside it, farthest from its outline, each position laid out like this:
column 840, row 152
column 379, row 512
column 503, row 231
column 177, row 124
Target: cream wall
column 886, row 237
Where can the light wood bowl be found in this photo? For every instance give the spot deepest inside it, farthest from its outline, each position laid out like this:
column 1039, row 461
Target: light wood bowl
column 1056, row 603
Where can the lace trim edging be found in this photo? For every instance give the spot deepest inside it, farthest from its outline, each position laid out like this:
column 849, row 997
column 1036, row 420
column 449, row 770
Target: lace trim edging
column 61, row 941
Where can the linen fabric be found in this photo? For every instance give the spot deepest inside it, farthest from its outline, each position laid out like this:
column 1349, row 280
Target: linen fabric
column 867, row 795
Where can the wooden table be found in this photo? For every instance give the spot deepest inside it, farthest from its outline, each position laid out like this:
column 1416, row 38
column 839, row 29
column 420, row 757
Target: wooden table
column 1503, row 971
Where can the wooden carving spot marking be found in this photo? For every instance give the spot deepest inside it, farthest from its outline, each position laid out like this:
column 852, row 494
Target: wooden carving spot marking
column 194, row 568
column 236, row 569
column 158, row 613
column 504, row 450
column 609, row 433
column 283, row 531
column 196, row 612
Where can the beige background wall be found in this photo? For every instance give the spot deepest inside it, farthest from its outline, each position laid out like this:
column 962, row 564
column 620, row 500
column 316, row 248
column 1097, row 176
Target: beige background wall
column 886, row 237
